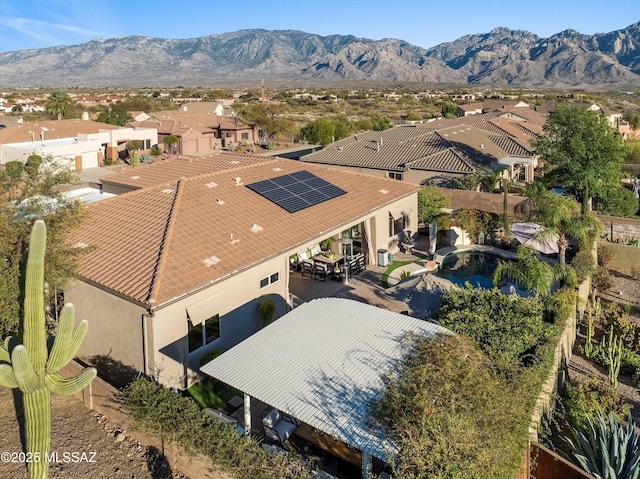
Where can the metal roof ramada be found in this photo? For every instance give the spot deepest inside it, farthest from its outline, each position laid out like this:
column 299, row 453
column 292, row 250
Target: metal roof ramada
column 322, row 363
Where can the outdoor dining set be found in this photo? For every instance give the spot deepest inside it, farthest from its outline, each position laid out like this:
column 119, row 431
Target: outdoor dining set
column 322, row 265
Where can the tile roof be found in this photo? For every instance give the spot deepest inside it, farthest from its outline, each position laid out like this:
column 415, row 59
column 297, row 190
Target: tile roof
column 456, row 145
column 151, row 174
column 21, row 132
column 160, row 242
column 177, row 121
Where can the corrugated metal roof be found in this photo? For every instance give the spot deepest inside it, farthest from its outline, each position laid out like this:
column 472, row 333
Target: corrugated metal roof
column 322, row 363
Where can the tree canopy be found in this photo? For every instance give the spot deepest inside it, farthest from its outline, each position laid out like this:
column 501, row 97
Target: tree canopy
column 29, row 192
column 585, row 151
column 59, row 103
column 431, row 204
column 116, row 115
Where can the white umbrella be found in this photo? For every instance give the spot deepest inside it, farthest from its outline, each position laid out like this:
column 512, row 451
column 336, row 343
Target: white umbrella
column 529, row 234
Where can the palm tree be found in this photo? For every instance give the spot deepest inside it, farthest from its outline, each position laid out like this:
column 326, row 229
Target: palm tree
column 533, row 273
column 59, row 103
column 561, row 216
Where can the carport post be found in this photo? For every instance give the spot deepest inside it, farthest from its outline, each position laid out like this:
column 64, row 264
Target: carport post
column 247, row 414
column 366, row 463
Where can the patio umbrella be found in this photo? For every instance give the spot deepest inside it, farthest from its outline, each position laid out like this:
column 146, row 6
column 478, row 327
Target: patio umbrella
column 421, row 293
column 529, row 234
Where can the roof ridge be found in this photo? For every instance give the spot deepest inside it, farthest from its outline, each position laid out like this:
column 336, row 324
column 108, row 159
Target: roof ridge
column 166, row 237
column 230, row 170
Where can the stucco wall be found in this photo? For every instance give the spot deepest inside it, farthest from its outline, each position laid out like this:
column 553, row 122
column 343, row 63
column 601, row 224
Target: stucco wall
column 114, row 339
column 625, row 258
column 238, row 320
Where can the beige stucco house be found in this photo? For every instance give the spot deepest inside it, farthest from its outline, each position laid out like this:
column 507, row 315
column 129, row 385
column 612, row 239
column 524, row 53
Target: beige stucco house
column 437, row 151
column 78, row 143
column 182, row 260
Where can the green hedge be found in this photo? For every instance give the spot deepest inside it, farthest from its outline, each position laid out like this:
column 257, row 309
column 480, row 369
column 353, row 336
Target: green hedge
column 178, row 418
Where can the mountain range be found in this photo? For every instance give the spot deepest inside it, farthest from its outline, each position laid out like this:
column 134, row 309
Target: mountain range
column 501, row 57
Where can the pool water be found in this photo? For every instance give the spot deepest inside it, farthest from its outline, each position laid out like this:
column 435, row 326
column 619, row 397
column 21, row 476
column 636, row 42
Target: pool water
column 470, row 267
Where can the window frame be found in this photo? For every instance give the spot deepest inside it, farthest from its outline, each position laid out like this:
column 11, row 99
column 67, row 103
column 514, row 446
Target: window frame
column 205, row 338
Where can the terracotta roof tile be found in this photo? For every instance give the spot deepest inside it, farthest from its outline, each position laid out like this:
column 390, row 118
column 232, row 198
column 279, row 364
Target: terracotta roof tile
column 20, row 132
column 153, row 245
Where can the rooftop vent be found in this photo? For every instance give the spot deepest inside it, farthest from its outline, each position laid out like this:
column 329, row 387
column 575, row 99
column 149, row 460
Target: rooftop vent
column 167, row 190
column 256, row 228
column 219, row 201
column 384, row 192
column 211, row 260
column 237, row 180
column 136, row 177
column 234, row 162
column 211, row 185
column 80, row 245
column 276, row 169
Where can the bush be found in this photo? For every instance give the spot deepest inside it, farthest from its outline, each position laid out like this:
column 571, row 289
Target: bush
column 629, row 361
column 509, row 329
column 605, row 256
column 584, row 398
column 155, row 151
column 602, row 280
column 452, row 413
column 584, row 264
column 179, row 418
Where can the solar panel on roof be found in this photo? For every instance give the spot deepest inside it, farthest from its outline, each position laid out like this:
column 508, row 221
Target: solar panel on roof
column 297, row 191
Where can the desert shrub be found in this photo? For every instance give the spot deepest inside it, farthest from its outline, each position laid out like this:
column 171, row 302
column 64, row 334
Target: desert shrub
column 602, row 279
column 616, row 319
column 179, row 418
column 451, row 412
column 629, row 361
column 584, row 399
column 605, row 255
column 155, row 151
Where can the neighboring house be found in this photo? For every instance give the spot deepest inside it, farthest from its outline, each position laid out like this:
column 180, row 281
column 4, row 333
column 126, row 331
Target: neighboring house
column 470, row 109
column 180, row 266
column 436, row 151
column 613, row 117
column 199, row 131
column 216, row 107
column 81, row 143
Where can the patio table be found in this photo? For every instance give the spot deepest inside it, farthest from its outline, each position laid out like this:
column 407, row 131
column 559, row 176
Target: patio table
column 322, row 258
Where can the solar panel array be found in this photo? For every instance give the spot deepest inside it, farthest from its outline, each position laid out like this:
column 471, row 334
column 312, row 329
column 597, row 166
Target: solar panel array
column 297, row 191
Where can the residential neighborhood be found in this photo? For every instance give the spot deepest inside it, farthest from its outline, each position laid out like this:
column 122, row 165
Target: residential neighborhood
column 398, row 262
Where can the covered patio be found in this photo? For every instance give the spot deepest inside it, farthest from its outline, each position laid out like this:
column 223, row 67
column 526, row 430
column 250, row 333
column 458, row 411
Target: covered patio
column 321, row 364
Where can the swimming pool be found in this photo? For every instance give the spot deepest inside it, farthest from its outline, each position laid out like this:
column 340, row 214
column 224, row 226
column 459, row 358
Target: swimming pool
column 473, row 267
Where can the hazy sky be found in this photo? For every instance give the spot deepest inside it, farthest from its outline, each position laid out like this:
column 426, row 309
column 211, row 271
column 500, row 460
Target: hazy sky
column 45, row 23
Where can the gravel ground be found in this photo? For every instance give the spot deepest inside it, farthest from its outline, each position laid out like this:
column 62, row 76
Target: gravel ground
column 74, row 428
column 624, row 291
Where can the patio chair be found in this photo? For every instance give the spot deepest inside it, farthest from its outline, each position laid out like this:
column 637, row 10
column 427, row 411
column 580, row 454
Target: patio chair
column 278, row 427
column 307, row 267
column 362, row 265
column 322, row 270
column 354, row 267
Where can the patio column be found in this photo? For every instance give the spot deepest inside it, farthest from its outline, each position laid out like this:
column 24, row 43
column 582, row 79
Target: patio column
column 247, row 414
column 366, row 463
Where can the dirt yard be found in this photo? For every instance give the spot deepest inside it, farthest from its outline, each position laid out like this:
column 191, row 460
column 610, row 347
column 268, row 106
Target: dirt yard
column 75, row 428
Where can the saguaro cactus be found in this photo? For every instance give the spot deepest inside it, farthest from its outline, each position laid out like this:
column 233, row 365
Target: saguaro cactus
column 614, row 352
column 34, row 367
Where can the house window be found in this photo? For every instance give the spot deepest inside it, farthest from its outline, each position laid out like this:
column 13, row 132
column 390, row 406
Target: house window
column 245, row 136
column 395, row 226
column 146, row 144
column 394, row 175
column 204, row 333
column 273, row 278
